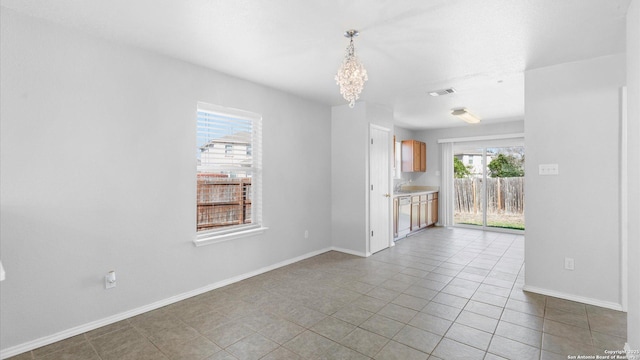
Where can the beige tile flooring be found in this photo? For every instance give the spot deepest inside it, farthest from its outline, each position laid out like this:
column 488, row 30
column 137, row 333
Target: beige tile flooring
column 440, row 294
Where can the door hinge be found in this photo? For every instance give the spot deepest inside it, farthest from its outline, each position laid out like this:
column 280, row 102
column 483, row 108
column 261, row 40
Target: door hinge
column 371, row 187
column 371, row 141
column 371, row 233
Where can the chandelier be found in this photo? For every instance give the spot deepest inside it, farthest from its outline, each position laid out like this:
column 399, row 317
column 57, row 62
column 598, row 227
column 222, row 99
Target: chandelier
column 351, row 75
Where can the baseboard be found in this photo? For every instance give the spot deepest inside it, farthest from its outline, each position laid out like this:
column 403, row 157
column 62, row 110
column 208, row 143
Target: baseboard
column 65, row 334
column 350, row 252
column 632, row 354
column 581, row 299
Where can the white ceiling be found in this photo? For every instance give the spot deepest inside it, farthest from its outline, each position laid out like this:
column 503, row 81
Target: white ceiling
column 480, row 48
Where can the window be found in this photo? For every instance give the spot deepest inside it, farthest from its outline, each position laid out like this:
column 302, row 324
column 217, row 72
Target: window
column 397, row 164
column 229, row 182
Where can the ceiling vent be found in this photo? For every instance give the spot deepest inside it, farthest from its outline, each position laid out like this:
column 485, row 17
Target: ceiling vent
column 442, row 92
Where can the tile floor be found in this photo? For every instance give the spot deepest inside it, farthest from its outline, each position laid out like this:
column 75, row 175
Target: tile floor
column 440, row 294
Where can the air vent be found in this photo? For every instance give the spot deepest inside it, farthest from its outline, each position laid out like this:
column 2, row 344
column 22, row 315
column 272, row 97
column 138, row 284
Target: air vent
column 442, row 92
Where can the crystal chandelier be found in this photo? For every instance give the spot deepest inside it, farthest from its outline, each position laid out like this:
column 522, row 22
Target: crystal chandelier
column 351, row 75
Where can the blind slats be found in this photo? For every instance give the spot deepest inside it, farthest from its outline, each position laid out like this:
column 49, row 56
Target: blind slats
column 225, row 143
column 228, row 157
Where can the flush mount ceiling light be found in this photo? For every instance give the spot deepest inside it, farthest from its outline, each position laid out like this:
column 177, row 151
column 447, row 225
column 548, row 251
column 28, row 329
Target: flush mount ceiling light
column 442, row 92
column 465, row 115
column 351, row 75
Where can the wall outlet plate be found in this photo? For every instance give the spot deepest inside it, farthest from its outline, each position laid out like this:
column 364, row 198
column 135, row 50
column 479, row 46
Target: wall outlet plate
column 110, row 280
column 548, row 169
column 569, row 264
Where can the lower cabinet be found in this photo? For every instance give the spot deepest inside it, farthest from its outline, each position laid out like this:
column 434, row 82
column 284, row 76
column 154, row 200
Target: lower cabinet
column 433, row 208
column 415, row 213
column 424, row 210
column 396, row 213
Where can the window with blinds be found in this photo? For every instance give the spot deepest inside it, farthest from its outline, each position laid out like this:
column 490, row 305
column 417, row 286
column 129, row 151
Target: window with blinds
column 228, row 157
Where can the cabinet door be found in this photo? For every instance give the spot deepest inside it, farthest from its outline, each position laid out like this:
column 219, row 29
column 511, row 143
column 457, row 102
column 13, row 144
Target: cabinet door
column 434, row 210
column 417, row 160
column 396, row 204
column 407, row 147
column 423, row 214
column 423, row 157
column 414, row 156
column 415, row 215
column 429, row 212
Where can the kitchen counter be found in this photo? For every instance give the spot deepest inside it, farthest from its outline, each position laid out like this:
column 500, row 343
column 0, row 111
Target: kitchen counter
column 414, row 208
column 415, row 190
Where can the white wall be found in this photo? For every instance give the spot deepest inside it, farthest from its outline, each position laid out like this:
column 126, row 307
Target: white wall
column 431, row 137
column 633, row 116
column 348, row 178
column 98, row 174
column 350, row 172
column 573, row 119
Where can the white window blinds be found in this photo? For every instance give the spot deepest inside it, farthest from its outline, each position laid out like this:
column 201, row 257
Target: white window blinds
column 228, row 157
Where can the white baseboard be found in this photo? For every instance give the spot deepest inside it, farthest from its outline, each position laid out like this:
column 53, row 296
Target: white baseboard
column 350, row 252
column 632, row 354
column 65, row 334
column 582, row 299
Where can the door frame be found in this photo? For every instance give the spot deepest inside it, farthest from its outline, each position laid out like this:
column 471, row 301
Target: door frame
column 485, row 138
column 484, row 192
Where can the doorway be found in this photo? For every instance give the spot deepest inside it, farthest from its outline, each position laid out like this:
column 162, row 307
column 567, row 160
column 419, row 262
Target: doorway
column 489, row 185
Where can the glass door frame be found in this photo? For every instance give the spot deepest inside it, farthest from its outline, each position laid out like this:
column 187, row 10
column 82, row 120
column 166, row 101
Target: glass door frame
column 485, row 144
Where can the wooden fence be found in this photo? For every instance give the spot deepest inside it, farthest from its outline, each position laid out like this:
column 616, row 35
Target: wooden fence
column 504, row 195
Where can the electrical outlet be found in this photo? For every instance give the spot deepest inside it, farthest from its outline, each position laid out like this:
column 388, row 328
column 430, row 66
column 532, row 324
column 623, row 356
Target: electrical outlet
column 306, row 234
column 569, row 263
column 548, row 169
column 110, row 280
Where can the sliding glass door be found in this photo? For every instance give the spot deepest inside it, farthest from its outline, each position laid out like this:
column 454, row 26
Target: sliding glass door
column 489, row 184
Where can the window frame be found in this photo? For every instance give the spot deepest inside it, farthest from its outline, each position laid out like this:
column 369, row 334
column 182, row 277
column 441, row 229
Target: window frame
column 256, row 227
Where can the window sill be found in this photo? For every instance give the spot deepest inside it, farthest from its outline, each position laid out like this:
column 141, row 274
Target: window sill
column 208, row 239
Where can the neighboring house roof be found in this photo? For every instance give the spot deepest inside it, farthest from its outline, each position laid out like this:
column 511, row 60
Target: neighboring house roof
column 240, row 138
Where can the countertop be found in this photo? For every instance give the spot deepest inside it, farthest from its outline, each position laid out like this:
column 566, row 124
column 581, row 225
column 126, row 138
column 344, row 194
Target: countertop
column 415, row 190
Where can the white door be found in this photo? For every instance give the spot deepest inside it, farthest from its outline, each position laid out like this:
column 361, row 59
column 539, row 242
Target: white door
column 379, row 194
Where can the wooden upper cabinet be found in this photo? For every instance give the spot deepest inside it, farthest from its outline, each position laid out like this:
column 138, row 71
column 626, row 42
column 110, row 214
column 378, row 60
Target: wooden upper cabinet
column 414, row 156
column 423, row 157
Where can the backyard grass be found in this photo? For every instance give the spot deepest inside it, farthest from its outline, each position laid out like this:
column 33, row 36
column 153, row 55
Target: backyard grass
column 505, row 221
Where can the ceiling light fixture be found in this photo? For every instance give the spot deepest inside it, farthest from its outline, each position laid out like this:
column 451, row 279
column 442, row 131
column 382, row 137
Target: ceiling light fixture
column 442, row 92
column 465, row 115
column 351, row 75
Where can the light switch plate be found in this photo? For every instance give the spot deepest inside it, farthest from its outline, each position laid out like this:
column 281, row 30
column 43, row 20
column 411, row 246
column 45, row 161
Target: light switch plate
column 548, row 169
